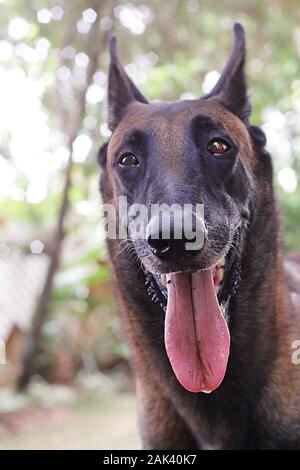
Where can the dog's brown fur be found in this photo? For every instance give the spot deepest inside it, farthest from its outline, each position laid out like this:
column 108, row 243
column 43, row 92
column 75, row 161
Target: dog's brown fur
column 258, row 403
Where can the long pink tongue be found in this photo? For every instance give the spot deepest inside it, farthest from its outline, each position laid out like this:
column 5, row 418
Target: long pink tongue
column 196, row 334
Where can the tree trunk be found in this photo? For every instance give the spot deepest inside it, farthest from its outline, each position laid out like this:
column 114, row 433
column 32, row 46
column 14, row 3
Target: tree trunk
column 32, row 342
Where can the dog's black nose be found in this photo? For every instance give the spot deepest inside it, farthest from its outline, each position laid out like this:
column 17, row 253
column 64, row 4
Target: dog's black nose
column 171, row 247
column 173, row 237
column 159, row 247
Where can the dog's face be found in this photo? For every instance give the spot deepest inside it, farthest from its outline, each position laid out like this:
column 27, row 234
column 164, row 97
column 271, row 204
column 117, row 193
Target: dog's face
column 190, row 152
column 187, row 152
column 195, row 152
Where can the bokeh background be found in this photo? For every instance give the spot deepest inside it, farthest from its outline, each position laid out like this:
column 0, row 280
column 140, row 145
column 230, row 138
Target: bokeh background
column 66, row 381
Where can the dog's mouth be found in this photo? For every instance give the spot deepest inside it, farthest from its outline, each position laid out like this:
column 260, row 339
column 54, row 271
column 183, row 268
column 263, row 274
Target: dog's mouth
column 197, row 338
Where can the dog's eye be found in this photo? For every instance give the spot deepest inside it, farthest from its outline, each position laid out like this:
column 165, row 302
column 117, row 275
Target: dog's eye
column 128, row 159
column 218, row 147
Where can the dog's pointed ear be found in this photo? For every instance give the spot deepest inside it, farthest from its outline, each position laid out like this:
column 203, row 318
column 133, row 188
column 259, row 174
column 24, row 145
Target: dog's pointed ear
column 121, row 89
column 231, row 88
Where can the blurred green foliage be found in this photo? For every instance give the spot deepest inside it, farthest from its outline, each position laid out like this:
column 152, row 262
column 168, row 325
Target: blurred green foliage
column 168, row 48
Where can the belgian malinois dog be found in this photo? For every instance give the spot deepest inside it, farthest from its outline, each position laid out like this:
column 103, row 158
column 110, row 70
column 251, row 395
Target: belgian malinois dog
column 213, row 330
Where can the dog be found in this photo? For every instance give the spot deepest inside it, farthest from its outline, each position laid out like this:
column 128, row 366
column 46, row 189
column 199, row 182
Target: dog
column 213, row 330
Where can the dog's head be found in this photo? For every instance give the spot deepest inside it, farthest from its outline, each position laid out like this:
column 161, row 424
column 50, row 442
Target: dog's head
column 190, row 152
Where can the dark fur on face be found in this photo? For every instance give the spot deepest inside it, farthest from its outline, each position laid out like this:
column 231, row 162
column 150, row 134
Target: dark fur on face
column 256, row 406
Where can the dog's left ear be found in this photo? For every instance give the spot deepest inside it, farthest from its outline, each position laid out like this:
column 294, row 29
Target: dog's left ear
column 231, row 88
column 121, row 90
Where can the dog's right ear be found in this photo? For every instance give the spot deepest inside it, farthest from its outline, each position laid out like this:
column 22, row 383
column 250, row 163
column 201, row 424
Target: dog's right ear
column 121, row 90
column 231, row 88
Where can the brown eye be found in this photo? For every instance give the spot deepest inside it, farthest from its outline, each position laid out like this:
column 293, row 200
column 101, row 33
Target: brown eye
column 128, row 159
column 217, row 147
